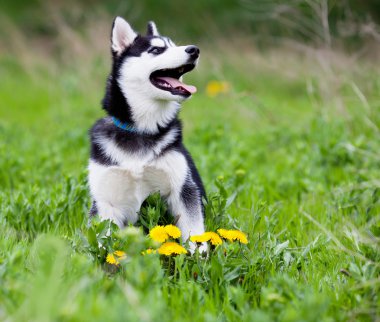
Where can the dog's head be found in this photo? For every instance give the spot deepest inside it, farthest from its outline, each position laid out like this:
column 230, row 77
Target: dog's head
column 148, row 71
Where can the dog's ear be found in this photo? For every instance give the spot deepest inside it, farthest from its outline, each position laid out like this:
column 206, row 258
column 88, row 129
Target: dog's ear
column 122, row 35
column 152, row 29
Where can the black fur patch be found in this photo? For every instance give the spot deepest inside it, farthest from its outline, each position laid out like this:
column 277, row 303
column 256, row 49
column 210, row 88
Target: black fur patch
column 129, row 141
column 150, row 28
column 194, row 172
column 193, row 188
column 94, row 209
column 96, row 152
column 190, row 195
column 114, row 101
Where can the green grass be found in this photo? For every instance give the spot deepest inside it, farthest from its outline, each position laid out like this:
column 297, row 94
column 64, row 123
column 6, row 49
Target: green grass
column 290, row 156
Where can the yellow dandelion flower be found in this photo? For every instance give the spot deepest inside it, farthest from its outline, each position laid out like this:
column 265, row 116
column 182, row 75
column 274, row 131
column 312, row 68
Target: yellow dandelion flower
column 170, row 248
column 120, row 253
column 232, row 235
column 159, row 234
column 214, row 88
column 149, row 251
column 112, row 260
column 214, row 238
column 224, row 233
column 173, row 231
column 200, row 238
column 240, row 236
column 210, row 236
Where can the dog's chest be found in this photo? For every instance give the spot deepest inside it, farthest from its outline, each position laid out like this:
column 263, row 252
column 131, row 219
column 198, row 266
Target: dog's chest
column 136, row 175
column 144, row 174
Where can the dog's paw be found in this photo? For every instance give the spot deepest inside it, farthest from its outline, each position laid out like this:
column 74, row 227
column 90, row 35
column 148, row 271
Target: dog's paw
column 202, row 248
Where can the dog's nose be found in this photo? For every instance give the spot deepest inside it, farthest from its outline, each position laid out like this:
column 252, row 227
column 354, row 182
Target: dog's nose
column 193, row 51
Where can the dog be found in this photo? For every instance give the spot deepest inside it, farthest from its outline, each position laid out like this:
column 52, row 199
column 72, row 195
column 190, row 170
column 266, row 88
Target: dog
column 137, row 149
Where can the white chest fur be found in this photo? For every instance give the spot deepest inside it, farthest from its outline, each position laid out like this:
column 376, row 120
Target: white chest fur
column 120, row 190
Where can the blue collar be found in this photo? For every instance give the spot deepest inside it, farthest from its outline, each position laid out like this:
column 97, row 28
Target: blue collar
column 124, row 126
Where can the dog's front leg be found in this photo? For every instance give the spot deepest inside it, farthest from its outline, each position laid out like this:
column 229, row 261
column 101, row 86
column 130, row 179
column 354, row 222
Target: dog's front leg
column 183, row 194
column 186, row 206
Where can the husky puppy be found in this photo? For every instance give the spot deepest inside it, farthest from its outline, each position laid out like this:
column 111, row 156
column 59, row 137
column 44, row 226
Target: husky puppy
column 137, row 149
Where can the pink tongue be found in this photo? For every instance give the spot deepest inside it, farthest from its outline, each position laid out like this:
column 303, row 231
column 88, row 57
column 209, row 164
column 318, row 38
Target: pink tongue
column 176, row 83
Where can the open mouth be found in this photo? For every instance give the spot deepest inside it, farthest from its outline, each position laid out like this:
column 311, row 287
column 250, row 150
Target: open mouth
column 168, row 80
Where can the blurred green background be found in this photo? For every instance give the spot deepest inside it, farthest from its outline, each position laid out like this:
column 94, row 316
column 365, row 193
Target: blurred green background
column 202, row 20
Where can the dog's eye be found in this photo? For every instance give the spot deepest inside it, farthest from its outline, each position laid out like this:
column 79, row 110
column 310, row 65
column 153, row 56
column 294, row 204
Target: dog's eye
column 156, row 50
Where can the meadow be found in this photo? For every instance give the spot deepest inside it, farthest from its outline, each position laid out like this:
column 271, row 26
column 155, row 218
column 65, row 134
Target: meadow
column 287, row 142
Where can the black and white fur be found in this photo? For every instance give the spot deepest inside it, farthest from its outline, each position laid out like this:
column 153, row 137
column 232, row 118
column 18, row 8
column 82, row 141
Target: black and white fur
column 125, row 167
